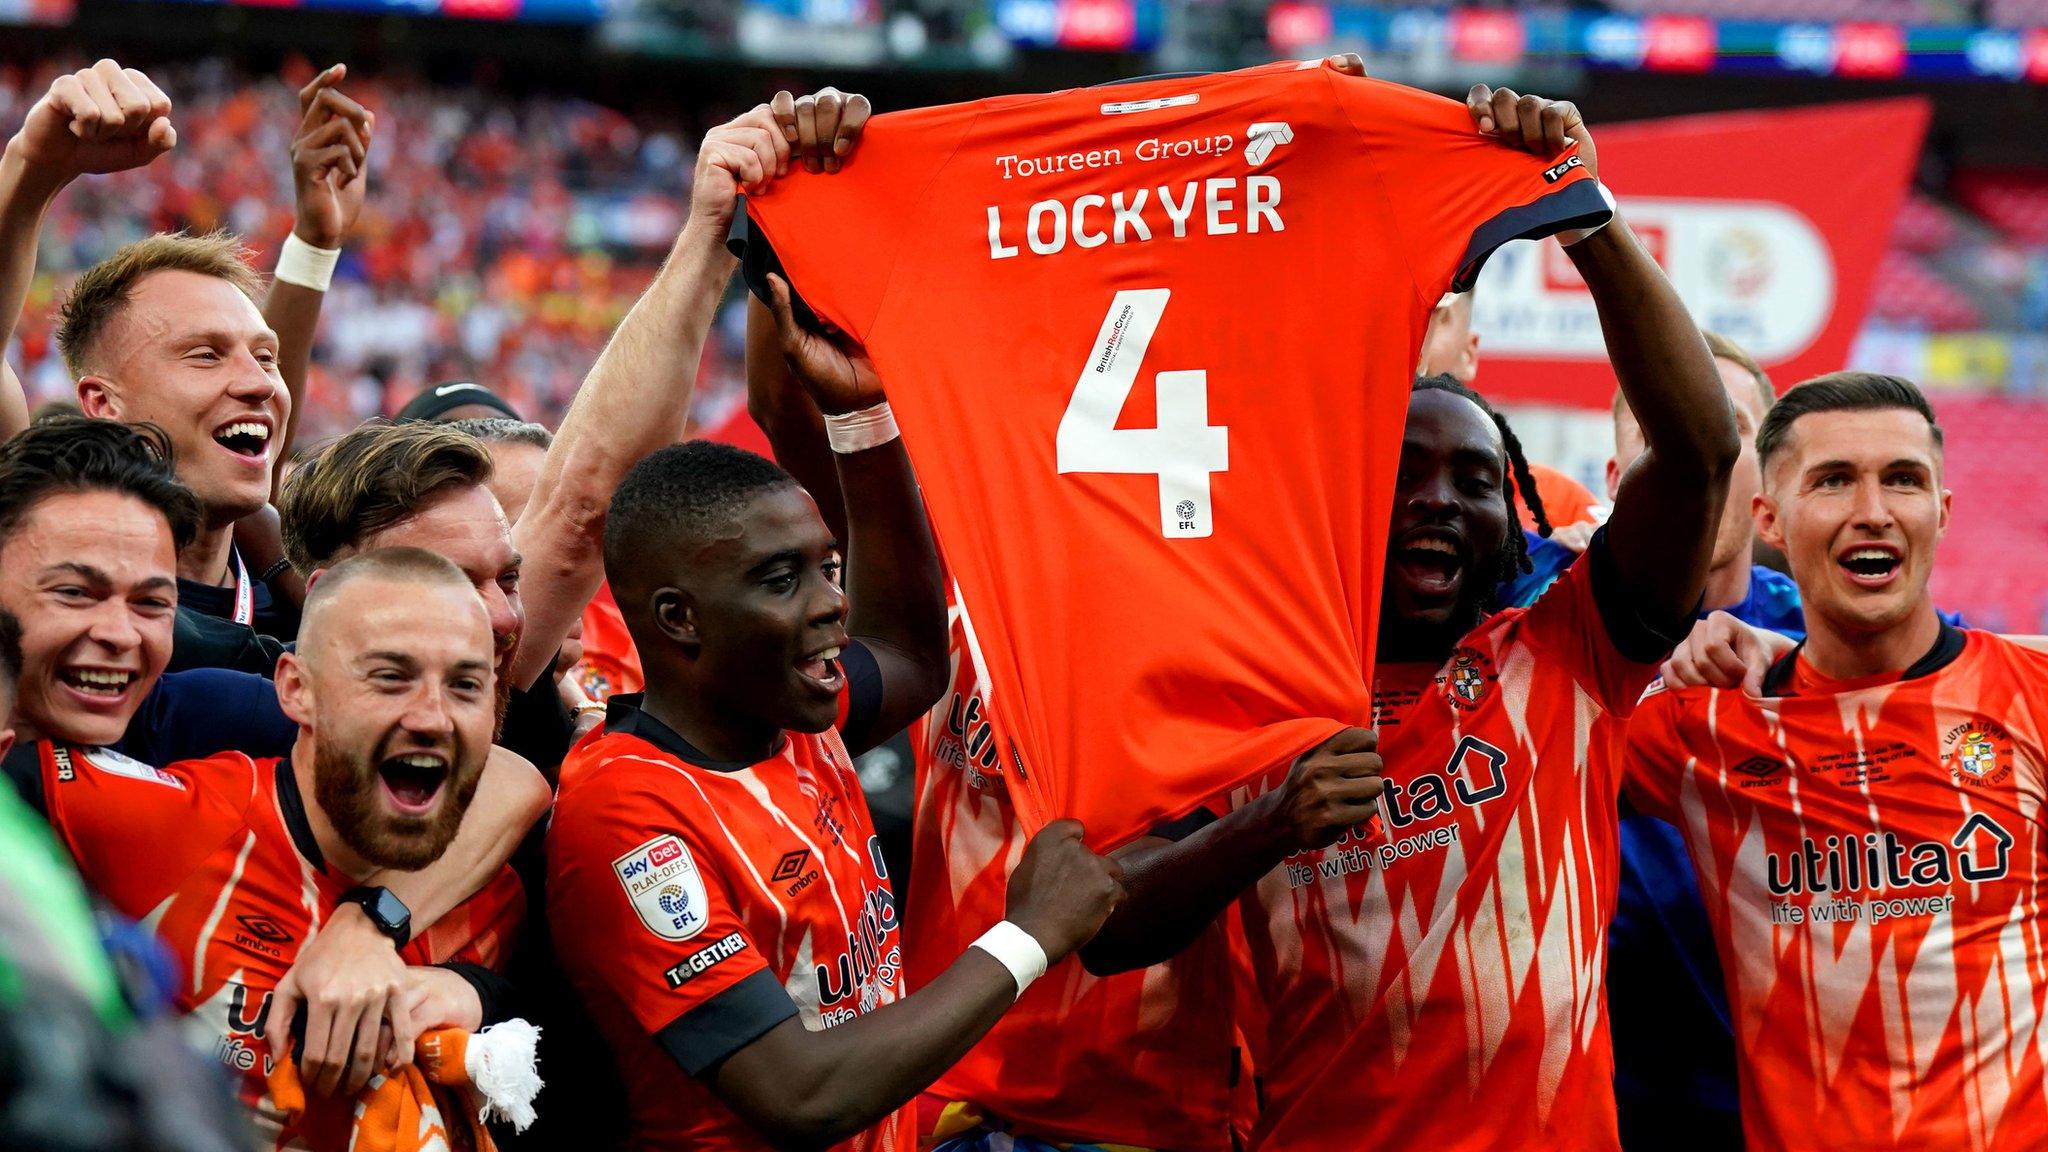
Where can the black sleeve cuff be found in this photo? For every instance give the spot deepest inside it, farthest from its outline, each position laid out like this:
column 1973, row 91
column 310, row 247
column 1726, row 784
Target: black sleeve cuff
column 492, row 989
column 757, row 259
column 705, row 1035
column 1184, row 827
column 1639, row 636
column 863, row 693
column 1580, row 205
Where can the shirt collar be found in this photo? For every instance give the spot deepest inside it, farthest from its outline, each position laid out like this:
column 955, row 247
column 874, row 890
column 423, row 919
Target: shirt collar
column 1947, row 646
column 291, row 804
column 624, row 715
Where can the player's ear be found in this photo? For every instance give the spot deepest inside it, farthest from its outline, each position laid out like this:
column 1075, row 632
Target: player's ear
column 675, row 613
column 1765, row 513
column 294, row 692
column 97, row 398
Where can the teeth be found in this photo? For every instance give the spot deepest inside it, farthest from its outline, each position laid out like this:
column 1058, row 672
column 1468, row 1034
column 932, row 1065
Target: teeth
column 829, row 654
column 1870, row 554
column 1433, row 546
column 420, row 761
column 244, row 428
column 99, row 676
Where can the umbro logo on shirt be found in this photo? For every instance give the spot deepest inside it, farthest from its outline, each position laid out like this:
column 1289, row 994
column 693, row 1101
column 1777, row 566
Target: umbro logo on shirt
column 1760, row 770
column 791, row 864
column 795, row 866
column 262, row 935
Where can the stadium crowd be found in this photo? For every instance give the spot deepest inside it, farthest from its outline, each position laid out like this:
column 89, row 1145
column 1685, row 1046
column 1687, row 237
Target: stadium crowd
column 486, row 716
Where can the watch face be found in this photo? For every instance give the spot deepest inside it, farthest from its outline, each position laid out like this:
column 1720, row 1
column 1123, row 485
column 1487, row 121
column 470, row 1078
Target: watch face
column 386, row 910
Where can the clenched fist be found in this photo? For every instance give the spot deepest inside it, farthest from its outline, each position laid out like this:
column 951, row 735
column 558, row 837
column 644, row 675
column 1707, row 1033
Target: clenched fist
column 1061, row 892
column 105, row 118
column 744, row 154
column 1331, row 789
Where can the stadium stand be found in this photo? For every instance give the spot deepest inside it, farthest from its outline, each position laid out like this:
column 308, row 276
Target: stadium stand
column 502, row 241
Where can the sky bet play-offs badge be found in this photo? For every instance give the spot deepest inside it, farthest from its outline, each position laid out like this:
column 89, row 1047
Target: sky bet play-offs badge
column 665, row 887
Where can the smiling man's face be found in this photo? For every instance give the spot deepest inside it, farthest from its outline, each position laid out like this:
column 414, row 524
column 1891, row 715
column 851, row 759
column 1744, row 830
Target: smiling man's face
column 1854, row 500
column 192, row 354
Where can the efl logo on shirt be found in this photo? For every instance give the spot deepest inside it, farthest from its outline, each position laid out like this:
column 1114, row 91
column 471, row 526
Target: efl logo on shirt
column 114, row 764
column 664, row 886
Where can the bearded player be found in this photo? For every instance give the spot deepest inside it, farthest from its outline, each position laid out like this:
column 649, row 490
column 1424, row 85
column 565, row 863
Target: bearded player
column 247, row 860
column 91, row 521
column 1866, row 831
column 1429, row 934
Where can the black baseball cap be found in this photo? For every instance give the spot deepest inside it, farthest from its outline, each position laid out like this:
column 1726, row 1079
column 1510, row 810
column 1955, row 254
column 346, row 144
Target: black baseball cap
column 438, row 401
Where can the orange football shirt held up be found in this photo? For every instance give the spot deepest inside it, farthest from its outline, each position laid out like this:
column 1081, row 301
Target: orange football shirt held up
column 1150, row 347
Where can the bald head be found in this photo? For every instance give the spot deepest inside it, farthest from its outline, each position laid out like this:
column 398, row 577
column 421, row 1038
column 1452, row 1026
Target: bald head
column 393, row 582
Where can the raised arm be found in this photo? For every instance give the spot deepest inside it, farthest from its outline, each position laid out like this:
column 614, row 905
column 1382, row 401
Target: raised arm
column 823, row 130
column 637, row 395
column 1661, row 533
column 895, row 588
column 1177, row 887
column 805, row 1089
column 329, row 177
column 105, row 118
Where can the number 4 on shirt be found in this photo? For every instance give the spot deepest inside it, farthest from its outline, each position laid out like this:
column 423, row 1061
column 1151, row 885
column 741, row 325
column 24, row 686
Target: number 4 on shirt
column 1182, row 450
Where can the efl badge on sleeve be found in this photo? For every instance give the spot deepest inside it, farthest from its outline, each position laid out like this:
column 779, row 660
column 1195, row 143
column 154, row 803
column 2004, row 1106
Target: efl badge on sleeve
column 665, row 887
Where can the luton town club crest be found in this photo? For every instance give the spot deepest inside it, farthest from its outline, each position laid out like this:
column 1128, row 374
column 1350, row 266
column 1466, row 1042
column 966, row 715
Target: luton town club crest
column 1467, row 678
column 1977, row 753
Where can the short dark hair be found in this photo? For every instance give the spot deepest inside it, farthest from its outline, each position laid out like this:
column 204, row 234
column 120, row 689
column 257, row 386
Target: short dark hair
column 10, row 660
column 505, row 430
column 80, row 454
column 1517, row 482
column 374, row 477
column 680, row 493
column 1840, row 392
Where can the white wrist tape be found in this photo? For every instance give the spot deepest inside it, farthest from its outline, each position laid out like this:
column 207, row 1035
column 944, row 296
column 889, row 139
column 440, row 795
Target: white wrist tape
column 1014, row 949
column 851, row 432
column 300, row 263
column 1577, row 234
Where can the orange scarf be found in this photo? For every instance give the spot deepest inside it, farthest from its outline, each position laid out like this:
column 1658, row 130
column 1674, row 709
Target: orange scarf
column 398, row 1112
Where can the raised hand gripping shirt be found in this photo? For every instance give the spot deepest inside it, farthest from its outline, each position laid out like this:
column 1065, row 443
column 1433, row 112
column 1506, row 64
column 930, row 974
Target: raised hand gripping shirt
column 1150, row 347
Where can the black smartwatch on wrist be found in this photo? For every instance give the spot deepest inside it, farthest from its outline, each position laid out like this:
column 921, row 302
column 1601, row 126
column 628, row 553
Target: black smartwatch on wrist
column 385, row 910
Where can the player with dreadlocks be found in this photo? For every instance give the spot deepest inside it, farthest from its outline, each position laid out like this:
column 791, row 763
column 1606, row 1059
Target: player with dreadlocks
column 1518, row 484
column 1450, row 876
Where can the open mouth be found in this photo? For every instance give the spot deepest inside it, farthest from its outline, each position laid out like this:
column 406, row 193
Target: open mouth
column 822, row 668
column 413, row 781
column 1871, row 565
column 101, row 683
column 249, row 439
column 1432, row 564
